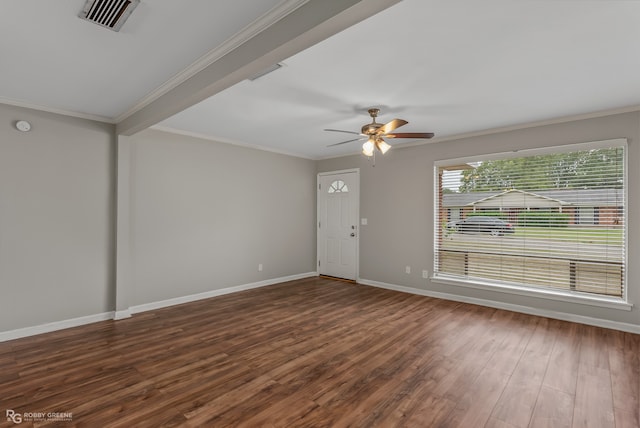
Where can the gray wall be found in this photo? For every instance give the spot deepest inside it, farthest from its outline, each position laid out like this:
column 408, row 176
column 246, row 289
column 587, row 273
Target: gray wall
column 397, row 199
column 56, row 218
column 205, row 214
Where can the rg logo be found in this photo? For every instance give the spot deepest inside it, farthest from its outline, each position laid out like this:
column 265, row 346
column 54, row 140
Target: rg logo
column 14, row 417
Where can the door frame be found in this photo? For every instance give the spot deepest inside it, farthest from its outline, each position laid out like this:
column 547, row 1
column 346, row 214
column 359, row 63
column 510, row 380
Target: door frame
column 318, row 214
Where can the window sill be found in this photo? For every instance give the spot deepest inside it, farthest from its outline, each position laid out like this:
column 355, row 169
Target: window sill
column 557, row 295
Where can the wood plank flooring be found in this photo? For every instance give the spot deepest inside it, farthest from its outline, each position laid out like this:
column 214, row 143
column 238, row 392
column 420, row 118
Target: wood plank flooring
column 324, row 353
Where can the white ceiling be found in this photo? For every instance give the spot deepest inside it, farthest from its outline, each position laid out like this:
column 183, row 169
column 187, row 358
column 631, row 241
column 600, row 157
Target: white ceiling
column 447, row 66
column 51, row 58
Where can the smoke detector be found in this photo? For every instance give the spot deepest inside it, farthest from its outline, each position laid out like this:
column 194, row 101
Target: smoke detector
column 111, row 14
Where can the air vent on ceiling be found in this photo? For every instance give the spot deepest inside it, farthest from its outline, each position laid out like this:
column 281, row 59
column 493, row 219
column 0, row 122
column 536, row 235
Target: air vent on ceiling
column 110, row 14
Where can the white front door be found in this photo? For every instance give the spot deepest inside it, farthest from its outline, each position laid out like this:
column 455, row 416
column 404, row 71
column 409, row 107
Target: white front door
column 338, row 203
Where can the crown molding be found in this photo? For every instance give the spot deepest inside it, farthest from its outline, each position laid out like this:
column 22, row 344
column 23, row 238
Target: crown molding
column 490, row 131
column 271, row 17
column 226, row 141
column 528, row 125
column 70, row 113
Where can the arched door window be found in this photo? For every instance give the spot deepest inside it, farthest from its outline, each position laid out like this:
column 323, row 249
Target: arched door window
column 338, row 186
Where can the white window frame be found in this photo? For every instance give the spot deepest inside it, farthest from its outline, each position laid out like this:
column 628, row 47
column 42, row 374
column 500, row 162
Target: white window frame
column 621, row 303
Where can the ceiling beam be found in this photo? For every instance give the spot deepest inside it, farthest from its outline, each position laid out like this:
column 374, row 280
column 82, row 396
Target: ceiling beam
column 309, row 24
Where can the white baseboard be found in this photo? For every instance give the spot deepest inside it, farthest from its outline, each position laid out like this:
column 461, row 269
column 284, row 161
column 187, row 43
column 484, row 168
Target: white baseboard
column 54, row 326
column 581, row 319
column 126, row 313
column 213, row 293
column 120, row 315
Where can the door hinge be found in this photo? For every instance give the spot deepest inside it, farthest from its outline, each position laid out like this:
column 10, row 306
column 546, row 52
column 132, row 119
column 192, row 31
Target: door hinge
column 318, row 225
column 319, row 186
column 318, row 263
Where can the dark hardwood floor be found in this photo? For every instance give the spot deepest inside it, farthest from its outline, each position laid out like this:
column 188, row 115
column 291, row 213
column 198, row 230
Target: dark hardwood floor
column 324, row 353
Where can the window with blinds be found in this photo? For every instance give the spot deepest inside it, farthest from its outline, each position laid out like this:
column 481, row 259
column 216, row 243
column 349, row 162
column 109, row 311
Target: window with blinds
column 545, row 219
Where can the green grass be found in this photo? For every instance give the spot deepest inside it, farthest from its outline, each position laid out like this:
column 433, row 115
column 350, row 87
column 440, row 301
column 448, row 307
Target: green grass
column 593, row 235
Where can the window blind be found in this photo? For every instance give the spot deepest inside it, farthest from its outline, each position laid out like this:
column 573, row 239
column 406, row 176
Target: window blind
column 545, row 220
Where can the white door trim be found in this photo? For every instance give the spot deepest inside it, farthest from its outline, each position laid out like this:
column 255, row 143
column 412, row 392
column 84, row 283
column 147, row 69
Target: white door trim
column 318, row 215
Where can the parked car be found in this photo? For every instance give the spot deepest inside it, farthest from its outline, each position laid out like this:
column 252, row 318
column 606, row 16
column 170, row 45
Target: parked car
column 481, row 224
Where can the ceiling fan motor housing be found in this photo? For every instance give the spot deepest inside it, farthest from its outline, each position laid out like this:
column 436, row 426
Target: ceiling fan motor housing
column 371, row 128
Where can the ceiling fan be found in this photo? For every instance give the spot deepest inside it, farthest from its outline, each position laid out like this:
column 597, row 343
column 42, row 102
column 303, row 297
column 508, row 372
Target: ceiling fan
column 375, row 133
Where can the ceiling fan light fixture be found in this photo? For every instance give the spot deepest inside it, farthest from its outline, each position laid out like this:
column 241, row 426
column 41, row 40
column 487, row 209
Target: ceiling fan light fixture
column 368, row 147
column 382, row 145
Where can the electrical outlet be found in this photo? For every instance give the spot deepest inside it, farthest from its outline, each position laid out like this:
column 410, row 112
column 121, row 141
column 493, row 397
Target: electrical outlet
column 425, row 274
column 407, row 269
column 260, row 267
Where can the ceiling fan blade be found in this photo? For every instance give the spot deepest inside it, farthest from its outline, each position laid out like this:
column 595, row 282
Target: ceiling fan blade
column 395, row 123
column 344, row 142
column 410, row 135
column 340, row 130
